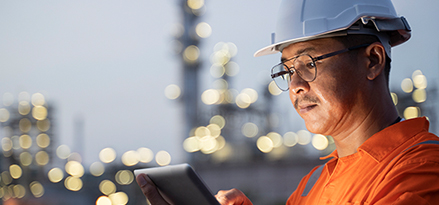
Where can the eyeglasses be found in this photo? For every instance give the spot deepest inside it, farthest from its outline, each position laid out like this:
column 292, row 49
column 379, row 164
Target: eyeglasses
column 304, row 65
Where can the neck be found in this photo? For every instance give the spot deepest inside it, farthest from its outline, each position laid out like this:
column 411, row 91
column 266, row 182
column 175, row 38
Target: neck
column 361, row 127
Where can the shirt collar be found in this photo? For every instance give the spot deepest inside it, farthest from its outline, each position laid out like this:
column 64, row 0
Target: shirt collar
column 394, row 136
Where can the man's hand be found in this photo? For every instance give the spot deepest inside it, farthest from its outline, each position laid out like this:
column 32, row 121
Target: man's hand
column 232, row 197
column 150, row 190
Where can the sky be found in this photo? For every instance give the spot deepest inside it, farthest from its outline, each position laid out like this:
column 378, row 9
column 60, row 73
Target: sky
column 107, row 63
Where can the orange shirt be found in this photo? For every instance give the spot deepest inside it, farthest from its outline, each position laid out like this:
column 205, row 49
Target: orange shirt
column 388, row 168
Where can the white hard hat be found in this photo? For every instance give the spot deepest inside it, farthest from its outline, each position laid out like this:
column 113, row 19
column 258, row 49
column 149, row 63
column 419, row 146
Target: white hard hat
column 303, row 20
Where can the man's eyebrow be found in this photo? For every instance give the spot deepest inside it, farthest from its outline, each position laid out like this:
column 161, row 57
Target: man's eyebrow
column 298, row 52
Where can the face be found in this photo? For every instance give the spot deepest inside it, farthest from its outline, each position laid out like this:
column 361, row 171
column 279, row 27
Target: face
column 328, row 103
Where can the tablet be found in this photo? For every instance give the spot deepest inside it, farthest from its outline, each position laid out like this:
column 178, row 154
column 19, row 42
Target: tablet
column 180, row 185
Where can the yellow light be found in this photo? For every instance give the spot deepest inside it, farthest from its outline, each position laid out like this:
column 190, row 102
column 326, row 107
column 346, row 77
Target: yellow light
column 145, row 155
column 320, row 142
column 220, row 84
column 15, row 171
column 119, row 198
column 25, row 158
column 97, row 169
column 407, row 85
column 43, row 140
column 415, row 73
column 277, row 153
column 265, row 144
column 243, row 100
column 25, row 141
column 420, row 81
column 191, row 54
column 124, row 177
column 304, row 137
column 276, row 138
column 107, row 187
column 42, row 158
column 103, row 200
column 412, row 112
column 43, row 125
column 172, row 92
column 208, row 145
column 39, row 112
column 214, row 130
column 191, row 144
column 249, row 130
column 394, row 98
column 55, row 175
column 74, row 168
column 203, row 30
column 6, row 178
column 210, row 96
column 130, row 158
column 217, row 70
column 219, row 120
column 25, row 125
column 252, row 94
column 163, row 158
column 107, row 155
column 73, row 183
column 202, row 131
column 273, row 89
column 74, row 156
column 6, row 144
column 290, row 139
column 232, row 68
column 23, row 107
column 36, row 189
column 419, row 95
column 38, row 99
column 63, row 151
column 19, row 191
column 4, row 115
column 195, row 4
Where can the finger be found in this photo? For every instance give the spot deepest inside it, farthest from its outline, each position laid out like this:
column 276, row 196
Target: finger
column 150, row 190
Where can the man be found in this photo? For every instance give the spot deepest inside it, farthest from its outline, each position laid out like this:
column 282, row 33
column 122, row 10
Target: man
column 335, row 65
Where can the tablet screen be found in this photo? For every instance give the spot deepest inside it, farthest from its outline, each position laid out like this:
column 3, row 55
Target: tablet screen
column 180, row 185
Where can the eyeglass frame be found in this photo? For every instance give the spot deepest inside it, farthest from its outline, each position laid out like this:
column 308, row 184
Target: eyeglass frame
column 314, row 59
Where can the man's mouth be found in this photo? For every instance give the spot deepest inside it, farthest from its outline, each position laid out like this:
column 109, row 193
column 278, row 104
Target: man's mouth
column 306, row 108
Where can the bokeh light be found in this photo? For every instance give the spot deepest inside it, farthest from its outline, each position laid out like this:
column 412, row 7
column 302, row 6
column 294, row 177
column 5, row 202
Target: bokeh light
column 119, row 198
column 43, row 125
column 15, row 171
column 73, row 183
column 23, row 107
column 6, row 178
column 43, row 140
column 419, row 95
column 172, row 92
column 163, row 158
column 107, row 155
column 130, row 158
column 25, row 125
column 39, row 112
column 412, row 112
column 6, row 144
column 42, row 158
column 124, row 177
column 276, row 138
column 219, row 120
column 394, row 98
column 191, row 54
column 195, row 4
column 320, row 142
column 191, row 144
column 4, row 115
column 407, row 85
column 63, row 151
column 145, row 155
column 36, row 189
column 38, row 99
column 304, row 137
column 103, row 200
column 250, row 129
column 55, row 175
column 25, row 158
column 25, row 141
column 203, row 30
column 273, row 89
column 291, row 139
column 97, row 169
column 74, row 168
column 264, row 144
column 107, row 187
column 19, row 191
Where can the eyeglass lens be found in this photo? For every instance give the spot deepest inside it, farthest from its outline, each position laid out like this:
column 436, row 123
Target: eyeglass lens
column 303, row 65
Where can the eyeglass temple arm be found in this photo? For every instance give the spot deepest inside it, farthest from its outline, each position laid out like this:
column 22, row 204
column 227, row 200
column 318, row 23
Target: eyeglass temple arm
column 279, row 74
column 340, row 51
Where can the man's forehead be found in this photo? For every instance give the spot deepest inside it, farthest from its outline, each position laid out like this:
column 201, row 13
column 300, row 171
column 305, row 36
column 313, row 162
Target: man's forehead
column 306, row 47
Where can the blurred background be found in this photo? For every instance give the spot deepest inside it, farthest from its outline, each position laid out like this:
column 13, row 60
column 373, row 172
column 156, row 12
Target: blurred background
column 91, row 90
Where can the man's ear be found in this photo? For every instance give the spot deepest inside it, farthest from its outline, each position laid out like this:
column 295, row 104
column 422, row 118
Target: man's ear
column 377, row 60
